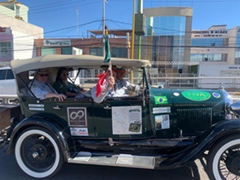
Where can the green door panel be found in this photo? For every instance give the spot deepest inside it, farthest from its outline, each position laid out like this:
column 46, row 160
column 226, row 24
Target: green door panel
column 122, row 118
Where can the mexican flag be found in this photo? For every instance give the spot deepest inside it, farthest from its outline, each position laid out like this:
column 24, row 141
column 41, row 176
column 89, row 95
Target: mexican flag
column 107, row 50
column 107, row 58
column 99, row 86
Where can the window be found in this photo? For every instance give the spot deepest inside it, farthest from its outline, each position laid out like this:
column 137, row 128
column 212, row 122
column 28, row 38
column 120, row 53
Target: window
column 2, row 74
column 66, row 50
column 9, row 74
column 119, row 52
column 208, row 57
column 45, row 51
column 5, row 50
column 210, row 42
column 237, row 50
column 6, row 74
column 97, row 51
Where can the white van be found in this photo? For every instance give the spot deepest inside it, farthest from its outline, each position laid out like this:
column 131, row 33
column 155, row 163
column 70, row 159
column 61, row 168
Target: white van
column 7, row 83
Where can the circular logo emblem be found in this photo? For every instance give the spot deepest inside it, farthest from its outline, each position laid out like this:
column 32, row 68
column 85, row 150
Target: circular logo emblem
column 216, row 95
column 161, row 100
column 176, row 94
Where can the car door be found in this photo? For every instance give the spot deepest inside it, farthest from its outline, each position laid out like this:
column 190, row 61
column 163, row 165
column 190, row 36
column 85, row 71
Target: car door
column 77, row 112
column 122, row 117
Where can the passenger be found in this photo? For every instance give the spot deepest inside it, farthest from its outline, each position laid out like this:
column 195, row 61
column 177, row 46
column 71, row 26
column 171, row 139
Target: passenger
column 106, row 87
column 117, row 90
column 113, row 89
column 42, row 89
column 121, row 72
column 63, row 86
column 122, row 86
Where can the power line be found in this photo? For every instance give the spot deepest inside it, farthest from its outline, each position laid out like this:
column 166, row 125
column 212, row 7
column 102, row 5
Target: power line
column 48, row 32
column 42, row 10
column 166, row 29
column 121, row 45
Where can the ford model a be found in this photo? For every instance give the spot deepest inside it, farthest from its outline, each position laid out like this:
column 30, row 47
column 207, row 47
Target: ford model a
column 152, row 128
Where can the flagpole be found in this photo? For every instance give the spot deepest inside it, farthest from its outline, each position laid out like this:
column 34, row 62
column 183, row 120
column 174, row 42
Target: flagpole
column 133, row 29
column 103, row 25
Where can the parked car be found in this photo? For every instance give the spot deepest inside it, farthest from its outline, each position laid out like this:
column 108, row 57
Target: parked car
column 156, row 128
column 7, row 82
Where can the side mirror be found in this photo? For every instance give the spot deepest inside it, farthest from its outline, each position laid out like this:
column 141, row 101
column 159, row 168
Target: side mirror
column 161, row 85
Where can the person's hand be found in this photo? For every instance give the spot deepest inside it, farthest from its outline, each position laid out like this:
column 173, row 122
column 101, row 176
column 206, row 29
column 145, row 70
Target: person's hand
column 61, row 97
column 111, row 82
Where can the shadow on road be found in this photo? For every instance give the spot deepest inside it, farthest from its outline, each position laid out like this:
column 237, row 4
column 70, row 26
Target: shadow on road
column 9, row 170
column 118, row 173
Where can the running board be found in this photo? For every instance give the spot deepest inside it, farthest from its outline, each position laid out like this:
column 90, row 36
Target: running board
column 121, row 160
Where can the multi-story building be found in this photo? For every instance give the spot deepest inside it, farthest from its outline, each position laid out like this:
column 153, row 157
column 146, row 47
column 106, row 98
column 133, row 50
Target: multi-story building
column 216, row 44
column 16, row 34
column 166, row 43
column 217, row 53
column 169, row 41
column 92, row 45
column 168, row 38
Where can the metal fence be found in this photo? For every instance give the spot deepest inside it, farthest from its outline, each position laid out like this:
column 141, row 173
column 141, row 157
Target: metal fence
column 193, row 81
column 182, row 81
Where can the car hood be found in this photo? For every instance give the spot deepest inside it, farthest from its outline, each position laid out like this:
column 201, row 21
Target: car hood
column 186, row 96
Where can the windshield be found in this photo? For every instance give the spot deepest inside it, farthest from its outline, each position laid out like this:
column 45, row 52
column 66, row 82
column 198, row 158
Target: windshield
column 89, row 77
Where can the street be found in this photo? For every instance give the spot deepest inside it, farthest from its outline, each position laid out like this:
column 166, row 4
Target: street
column 9, row 170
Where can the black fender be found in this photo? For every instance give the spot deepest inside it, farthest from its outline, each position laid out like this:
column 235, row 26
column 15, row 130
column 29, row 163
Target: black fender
column 202, row 143
column 51, row 122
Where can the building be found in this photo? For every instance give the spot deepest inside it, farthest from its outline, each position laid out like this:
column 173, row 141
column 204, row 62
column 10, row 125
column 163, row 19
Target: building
column 92, row 45
column 168, row 38
column 16, row 34
column 216, row 44
column 165, row 38
column 217, row 54
column 166, row 44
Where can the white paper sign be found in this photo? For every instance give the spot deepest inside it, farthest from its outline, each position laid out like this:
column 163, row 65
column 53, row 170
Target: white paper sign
column 127, row 120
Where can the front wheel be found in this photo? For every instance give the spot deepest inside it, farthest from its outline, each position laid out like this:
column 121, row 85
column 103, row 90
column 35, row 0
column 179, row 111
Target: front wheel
column 224, row 159
column 38, row 153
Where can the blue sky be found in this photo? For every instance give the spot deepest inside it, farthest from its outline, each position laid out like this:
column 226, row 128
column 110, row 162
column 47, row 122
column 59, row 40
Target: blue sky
column 60, row 18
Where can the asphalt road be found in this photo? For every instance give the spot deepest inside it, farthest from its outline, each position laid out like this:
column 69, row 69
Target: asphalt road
column 9, row 170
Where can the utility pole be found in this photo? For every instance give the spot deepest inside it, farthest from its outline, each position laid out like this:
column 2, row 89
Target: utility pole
column 133, row 30
column 77, row 12
column 140, row 11
column 132, row 40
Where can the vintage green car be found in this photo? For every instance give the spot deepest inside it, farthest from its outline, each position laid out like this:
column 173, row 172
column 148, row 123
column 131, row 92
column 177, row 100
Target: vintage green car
column 154, row 128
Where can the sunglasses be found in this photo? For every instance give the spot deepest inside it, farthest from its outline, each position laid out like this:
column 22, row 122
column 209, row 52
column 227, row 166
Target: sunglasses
column 42, row 75
column 65, row 74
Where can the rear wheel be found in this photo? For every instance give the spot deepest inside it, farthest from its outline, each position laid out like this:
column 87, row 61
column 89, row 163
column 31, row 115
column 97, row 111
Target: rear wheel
column 38, row 153
column 224, row 159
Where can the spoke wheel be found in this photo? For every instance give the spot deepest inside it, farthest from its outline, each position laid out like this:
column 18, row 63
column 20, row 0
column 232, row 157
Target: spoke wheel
column 37, row 153
column 224, row 159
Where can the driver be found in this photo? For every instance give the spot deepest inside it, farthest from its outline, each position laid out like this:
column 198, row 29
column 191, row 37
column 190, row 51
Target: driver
column 42, row 89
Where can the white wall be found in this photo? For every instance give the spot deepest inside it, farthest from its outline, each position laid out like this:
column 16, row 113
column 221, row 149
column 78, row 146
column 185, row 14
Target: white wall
column 17, row 9
column 23, row 45
column 232, row 45
column 7, row 11
column 77, row 51
column 21, row 26
column 23, row 36
column 214, row 69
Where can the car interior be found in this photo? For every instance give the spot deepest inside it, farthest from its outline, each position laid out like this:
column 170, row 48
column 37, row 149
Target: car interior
column 85, row 78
